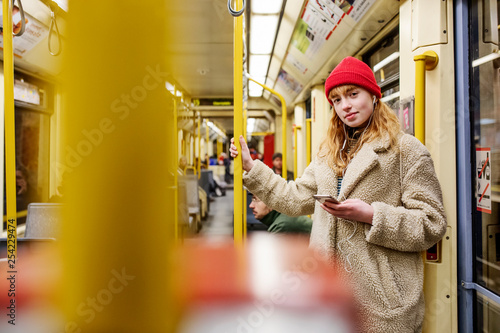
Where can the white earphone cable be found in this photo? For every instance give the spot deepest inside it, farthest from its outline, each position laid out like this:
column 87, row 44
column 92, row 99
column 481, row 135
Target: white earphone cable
column 348, row 265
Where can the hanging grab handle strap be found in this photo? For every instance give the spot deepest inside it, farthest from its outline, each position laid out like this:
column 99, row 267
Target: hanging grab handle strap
column 234, row 12
column 23, row 20
column 53, row 25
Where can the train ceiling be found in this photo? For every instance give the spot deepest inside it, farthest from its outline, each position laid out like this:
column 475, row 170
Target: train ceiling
column 312, row 37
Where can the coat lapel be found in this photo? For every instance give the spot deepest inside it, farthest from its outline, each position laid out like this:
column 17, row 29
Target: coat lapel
column 365, row 160
column 359, row 167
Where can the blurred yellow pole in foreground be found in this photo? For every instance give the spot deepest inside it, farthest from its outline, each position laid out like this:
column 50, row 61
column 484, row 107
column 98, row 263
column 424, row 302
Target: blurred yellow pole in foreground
column 119, row 222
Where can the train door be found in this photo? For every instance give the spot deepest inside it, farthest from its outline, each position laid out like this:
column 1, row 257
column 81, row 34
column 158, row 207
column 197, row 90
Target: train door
column 480, row 127
column 34, row 105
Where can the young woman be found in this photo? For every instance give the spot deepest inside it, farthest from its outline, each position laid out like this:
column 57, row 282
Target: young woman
column 390, row 200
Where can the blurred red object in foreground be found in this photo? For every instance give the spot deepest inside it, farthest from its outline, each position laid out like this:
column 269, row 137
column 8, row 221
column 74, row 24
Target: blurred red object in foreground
column 28, row 287
column 274, row 284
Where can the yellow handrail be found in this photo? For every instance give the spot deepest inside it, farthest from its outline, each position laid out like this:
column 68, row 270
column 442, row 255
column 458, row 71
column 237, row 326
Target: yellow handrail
column 295, row 151
column 176, row 162
column 308, row 141
column 190, row 168
column 207, row 143
column 426, row 61
column 245, row 203
column 262, row 133
column 283, row 124
column 199, row 147
column 193, row 139
column 21, row 213
column 10, row 126
column 238, row 124
column 219, row 146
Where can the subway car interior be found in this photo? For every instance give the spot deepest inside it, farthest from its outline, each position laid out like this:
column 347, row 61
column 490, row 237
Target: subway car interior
column 124, row 210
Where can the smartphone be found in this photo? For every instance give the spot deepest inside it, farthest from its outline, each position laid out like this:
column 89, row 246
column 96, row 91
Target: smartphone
column 325, row 197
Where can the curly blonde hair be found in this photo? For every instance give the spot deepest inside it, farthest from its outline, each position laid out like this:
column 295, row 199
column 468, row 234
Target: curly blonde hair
column 384, row 122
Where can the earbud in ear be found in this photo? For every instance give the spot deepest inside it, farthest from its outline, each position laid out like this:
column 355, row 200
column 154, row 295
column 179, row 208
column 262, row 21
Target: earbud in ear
column 374, row 99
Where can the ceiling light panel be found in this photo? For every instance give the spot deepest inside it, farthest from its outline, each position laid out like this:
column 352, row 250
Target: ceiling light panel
column 266, row 6
column 63, row 4
column 250, row 125
column 255, row 93
column 262, row 33
column 259, row 65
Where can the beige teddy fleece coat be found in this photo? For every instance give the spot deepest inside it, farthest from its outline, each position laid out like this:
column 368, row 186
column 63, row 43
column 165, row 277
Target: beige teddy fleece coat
column 384, row 258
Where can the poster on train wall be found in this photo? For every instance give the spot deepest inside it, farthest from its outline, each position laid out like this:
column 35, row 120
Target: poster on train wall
column 311, row 32
column 358, row 8
column 35, row 32
column 337, row 9
column 483, row 179
column 329, row 9
column 290, row 59
column 288, row 83
column 320, row 18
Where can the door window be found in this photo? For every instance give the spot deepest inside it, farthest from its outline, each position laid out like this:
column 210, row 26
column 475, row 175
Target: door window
column 485, row 117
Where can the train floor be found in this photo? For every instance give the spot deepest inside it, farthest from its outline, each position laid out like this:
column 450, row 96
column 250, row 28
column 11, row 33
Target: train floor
column 219, row 224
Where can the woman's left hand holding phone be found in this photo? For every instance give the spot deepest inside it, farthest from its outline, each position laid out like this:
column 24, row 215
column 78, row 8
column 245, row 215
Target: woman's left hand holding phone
column 350, row 209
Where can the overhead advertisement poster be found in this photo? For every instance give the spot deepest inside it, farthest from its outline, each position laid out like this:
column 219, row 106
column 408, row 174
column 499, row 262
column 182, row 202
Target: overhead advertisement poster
column 295, row 63
column 333, row 10
column 288, row 83
column 483, row 179
column 35, row 32
column 356, row 9
column 320, row 18
column 311, row 32
column 337, row 9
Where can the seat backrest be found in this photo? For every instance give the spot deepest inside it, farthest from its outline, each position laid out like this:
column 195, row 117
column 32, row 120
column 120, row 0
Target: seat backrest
column 191, row 182
column 43, row 220
column 182, row 202
column 206, row 181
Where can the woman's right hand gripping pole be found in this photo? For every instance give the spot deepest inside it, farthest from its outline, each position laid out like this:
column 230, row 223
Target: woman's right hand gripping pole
column 247, row 161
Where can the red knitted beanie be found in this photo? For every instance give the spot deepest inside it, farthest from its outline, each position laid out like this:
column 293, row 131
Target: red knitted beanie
column 352, row 71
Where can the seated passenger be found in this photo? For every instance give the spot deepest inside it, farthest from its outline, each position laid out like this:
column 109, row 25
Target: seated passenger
column 277, row 222
column 182, row 165
column 278, row 165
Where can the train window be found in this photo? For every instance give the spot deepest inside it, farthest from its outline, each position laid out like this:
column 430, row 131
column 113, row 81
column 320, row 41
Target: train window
column 32, row 127
column 485, row 115
column 384, row 60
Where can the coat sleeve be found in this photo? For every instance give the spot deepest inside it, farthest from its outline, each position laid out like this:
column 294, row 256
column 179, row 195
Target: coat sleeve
column 421, row 221
column 292, row 198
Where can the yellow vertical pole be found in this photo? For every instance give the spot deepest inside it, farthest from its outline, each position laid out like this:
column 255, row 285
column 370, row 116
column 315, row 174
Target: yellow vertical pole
column 193, row 138
column 308, row 141
column 176, row 163
column 10, row 135
column 284, row 170
column 245, row 202
column 238, row 123
column 183, row 143
column 208, row 136
column 426, row 61
column 420, row 101
column 120, row 184
column 219, row 146
column 295, row 151
column 199, row 146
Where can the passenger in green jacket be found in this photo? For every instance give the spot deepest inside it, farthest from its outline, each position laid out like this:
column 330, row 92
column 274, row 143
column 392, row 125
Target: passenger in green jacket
column 277, row 222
